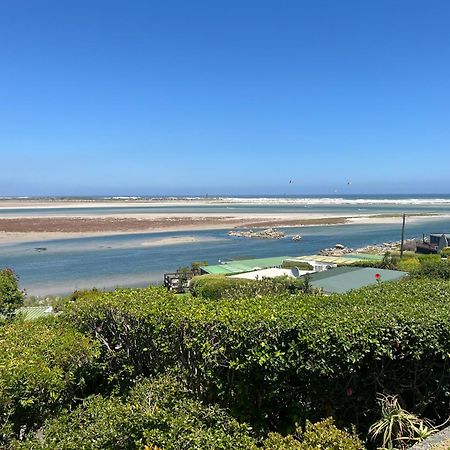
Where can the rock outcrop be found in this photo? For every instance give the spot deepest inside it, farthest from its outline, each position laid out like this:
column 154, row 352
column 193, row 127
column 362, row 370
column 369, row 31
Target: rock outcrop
column 269, row 233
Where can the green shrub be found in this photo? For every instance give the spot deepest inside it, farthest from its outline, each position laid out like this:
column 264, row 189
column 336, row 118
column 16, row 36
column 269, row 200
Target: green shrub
column 281, row 359
column 43, row 365
column 434, row 270
column 276, row 441
column 277, row 286
column 302, row 265
column 11, row 297
column 217, row 287
column 322, row 435
column 214, row 286
column 408, row 264
column 83, row 293
column 390, row 261
column 445, row 252
column 430, row 258
column 134, row 326
column 326, row 436
column 157, row 413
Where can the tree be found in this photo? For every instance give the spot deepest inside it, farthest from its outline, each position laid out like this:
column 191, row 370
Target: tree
column 11, row 297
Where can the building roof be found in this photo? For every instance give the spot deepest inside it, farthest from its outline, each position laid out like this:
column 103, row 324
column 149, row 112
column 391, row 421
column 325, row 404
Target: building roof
column 344, row 279
column 248, row 265
column 272, row 272
column 343, row 260
column 35, row 312
column 245, row 265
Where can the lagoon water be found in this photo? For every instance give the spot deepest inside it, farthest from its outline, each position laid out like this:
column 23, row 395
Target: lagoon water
column 125, row 260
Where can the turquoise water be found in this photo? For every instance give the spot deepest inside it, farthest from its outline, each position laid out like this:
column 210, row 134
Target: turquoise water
column 106, row 262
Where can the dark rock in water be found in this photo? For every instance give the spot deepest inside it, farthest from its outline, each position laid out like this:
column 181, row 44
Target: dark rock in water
column 270, row 233
column 40, row 249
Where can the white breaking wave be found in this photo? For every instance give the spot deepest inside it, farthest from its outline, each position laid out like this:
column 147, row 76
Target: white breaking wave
column 121, row 198
column 337, row 201
column 301, row 201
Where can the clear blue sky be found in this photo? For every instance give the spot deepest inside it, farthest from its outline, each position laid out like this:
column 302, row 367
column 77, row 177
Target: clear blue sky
column 233, row 96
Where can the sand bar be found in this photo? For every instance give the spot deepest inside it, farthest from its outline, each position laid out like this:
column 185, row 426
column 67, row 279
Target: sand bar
column 14, row 230
column 49, row 228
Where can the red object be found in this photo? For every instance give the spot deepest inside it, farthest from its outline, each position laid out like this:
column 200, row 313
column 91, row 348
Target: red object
column 377, row 276
column 349, row 392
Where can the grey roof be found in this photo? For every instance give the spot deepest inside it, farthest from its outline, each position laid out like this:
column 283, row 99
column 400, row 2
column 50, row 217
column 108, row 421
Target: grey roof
column 344, row 279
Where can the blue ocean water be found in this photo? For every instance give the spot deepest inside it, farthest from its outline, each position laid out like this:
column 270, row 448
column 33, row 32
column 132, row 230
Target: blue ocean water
column 109, row 261
column 345, row 205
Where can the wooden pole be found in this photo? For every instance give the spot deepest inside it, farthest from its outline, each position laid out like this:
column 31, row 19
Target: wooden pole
column 403, row 236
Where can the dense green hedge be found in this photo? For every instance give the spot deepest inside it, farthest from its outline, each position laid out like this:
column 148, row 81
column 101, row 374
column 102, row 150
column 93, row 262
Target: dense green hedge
column 43, row 366
column 214, row 286
column 435, row 270
column 160, row 413
column 135, row 328
column 157, row 413
column 277, row 360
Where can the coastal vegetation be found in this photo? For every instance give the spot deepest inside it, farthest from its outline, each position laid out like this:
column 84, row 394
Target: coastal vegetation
column 249, row 365
column 44, row 366
column 11, row 297
column 276, row 360
column 157, row 413
column 302, row 265
column 432, row 266
column 214, row 287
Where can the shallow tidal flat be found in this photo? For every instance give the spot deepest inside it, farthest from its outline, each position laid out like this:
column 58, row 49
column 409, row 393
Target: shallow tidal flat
column 35, row 228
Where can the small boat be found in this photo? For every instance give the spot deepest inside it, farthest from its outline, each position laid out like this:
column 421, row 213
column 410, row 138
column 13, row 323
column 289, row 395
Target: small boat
column 296, row 237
